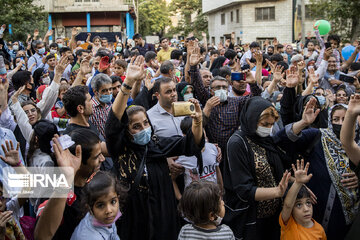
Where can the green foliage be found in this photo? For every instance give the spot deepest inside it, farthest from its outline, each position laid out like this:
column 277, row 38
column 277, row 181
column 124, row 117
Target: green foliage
column 24, row 17
column 187, row 8
column 153, row 17
column 343, row 15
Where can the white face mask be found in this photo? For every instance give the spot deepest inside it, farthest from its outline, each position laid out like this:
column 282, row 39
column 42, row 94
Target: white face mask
column 46, row 80
column 263, row 131
column 222, row 94
column 218, row 220
column 53, row 51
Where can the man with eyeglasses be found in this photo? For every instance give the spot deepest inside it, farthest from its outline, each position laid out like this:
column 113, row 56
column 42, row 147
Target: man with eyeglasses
column 222, row 113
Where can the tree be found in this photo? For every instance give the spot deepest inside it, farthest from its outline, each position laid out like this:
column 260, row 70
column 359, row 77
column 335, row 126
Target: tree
column 187, row 9
column 343, row 14
column 153, row 17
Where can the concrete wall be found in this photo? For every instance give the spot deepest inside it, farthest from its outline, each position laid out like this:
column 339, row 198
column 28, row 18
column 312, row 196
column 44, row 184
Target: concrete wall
column 248, row 30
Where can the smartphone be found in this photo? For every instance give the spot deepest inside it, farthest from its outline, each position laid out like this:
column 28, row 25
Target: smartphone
column 346, row 78
column 237, row 76
column 327, row 45
column 190, row 38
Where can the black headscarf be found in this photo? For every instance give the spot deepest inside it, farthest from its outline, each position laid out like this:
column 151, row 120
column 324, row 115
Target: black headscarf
column 217, row 64
column 249, row 118
column 321, row 119
column 45, row 131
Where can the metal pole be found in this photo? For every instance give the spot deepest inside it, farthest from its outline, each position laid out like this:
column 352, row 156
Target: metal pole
column 88, row 26
column 303, row 22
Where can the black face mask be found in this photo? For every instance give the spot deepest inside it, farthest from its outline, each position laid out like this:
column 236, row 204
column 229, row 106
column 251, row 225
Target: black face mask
column 337, row 130
column 238, row 92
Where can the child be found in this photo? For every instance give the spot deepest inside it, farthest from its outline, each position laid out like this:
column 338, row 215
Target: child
column 296, row 216
column 210, row 171
column 59, row 109
column 245, row 59
column 102, row 196
column 203, row 206
column 120, row 69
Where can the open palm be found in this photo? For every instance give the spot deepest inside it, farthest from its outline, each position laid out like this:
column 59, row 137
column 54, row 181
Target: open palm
column 135, row 69
column 354, row 104
column 309, row 114
column 11, row 154
column 300, row 172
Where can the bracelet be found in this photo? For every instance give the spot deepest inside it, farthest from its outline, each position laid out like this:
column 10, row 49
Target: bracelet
column 19, row 163
column 124, row 92
column 126, row 86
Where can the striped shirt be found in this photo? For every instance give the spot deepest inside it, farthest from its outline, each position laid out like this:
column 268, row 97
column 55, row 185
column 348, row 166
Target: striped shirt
column 99, row 116
column 222, row 232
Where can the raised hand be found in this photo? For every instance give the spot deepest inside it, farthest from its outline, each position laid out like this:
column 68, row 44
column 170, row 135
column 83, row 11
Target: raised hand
column 36, row 33
column 135, row 70
column 11, row 154
column 74, row 32
column 272, row 66
column 314, row 78
column 190, row 47
column 85, row 65
column 328, row 52
column 258, row 56
column 292, row 77
column 330, row 96
column 49, row 33
column 278, row 75
column 275, row 42
column 148, row 84
column 14, row 97
column 301, row 65
column 65, row 158
column 210, row 104
column 249, row 77
column 300, row 172
column 281, row 188
column 354, row 104
column 195, row 57
column 62, row 64
column 309, row 114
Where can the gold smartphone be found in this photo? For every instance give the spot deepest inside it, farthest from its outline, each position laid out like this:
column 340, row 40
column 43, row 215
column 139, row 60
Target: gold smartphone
column 183, row 108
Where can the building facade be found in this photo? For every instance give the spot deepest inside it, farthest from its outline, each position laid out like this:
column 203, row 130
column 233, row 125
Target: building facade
column 255, row 20
column 89, row 15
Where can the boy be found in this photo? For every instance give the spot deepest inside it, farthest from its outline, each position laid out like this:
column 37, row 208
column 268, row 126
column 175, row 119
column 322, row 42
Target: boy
column 245, row 60
column 120, row 69
column 210, row 172
column 296, row 216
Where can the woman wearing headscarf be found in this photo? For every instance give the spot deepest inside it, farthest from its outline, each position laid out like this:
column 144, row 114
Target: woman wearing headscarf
column 255, row 178
column 140, row 162
column 185, row 91
column 217, row 64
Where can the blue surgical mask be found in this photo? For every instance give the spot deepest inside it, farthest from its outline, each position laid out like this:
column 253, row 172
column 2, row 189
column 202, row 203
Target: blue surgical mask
column 322, row 100
column 41, row 51
column 106, row 98
column 118, row 49
column 222, row 94
column 188, row 96
column 60, row 45
column 143, row 137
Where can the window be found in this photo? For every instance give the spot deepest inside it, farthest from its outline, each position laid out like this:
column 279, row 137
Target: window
column 223, row 19
column 238, row 40
column 222, row 40
column 213, row 40
column 237, row 16
column 308, row 13
column 265, row 14
column 231, row 16
column 261, row 41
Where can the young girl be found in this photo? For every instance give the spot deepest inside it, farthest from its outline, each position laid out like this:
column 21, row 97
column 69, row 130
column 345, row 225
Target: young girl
column 103, row 196
column 201, row 204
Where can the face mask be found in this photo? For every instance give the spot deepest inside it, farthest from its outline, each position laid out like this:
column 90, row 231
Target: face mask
column 277, row 106
column 97, row 223
column 118, row 49
column 53, row 51
column 143, row 137
column 239, row 54
column 263, row 131
column 218, row 220
column 337, row 130
column 322, row 100
column 222, row 94
column 15, row 47
column 23, row 68
column 60, row 45
column 188, row 96
column 32, row 87
column 106, row 98
column 46, row 80
column 41, row 51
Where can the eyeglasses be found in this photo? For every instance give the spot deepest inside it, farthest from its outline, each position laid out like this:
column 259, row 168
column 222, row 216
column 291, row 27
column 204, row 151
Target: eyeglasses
column 33, row 110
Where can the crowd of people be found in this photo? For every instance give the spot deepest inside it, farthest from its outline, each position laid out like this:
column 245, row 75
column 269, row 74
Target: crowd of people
column 270, row 148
